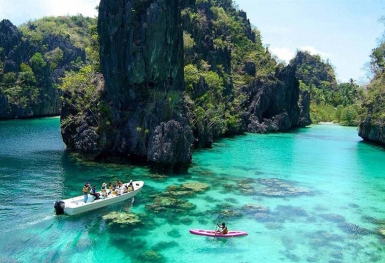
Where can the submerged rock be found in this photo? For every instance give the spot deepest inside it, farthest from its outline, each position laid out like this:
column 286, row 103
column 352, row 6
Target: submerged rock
column 226, row 210
column 186, row 189
column 232, row 200
column 333, row 218
column 230, row 213
column 326, row 236
column 290, row 211
column 255, row 208
column 245, row 186
column 164, row 245
column 179, row 193
column 150, row 256
column 122, row 218
column 373, row 220
column 159, row 177
column 165, row 204
column 174, row 233
column 354, row 229
column 279, row 188
column 196, row 186
column 170, row 201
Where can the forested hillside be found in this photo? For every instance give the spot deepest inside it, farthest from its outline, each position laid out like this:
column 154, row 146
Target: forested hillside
column 138, row 107
column 233, row 83
column 330, row 101
column 34, row 58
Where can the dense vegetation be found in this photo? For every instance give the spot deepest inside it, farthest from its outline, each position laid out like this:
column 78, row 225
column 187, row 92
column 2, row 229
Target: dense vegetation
column 74, row 28
column 330, row 101
column 222, row 54
column 374, row 103
column 42, row 51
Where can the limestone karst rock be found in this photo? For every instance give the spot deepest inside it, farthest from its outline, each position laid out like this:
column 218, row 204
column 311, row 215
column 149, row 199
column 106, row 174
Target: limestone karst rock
column 141, row 57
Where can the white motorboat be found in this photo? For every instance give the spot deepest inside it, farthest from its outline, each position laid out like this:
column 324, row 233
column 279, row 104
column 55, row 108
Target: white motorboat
column 76, row 205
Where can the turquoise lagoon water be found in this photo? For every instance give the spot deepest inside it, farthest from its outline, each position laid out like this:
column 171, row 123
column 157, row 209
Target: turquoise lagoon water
column 314, row 195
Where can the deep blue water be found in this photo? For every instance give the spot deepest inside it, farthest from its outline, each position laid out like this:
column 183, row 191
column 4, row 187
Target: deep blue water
column 313, row 195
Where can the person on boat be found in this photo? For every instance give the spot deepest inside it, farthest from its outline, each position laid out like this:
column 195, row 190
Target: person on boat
column 120, row 190
column 103, row 190
column 110, row 188
column 86, row 187
column 130, row 186
column 94, row 193
column 224, row 229
column 119, row 183
column 114, row 190
column 125, row 189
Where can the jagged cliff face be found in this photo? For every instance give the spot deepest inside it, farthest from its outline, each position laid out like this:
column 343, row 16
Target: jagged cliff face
column 312, row 70
column 271, row 101
column 371, row 130
column 275, row 103
column 141, row 50
column 372, row 126
column 45, row 100
column 141, row 104
column 141, row 55
column 372, row 123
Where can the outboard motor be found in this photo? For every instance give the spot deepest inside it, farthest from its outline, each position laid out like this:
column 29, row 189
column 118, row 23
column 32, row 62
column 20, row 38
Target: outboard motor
column 59, row 207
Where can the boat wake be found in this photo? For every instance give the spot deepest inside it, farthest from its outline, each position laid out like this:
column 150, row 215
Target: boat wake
column 33, row 222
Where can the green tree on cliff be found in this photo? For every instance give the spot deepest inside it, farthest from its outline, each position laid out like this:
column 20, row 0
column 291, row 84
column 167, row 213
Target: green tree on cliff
column 21, row 88
column 374, row 103
column 222, row 53
column 330, row 101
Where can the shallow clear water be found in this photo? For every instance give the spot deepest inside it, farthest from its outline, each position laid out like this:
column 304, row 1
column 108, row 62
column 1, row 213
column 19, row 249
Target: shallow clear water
column 314, row 195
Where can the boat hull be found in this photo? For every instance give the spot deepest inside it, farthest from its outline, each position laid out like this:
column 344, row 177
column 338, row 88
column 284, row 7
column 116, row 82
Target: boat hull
column 211, row 233
column 76, row 205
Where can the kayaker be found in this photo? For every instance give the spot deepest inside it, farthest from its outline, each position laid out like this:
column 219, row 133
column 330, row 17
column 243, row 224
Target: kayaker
column 224, row 229
column 86, row 187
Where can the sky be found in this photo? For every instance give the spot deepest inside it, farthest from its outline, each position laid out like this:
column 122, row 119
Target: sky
column 344, row 32
column 341, row 31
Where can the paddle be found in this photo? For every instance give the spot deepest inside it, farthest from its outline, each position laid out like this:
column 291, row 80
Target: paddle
column 216, row 225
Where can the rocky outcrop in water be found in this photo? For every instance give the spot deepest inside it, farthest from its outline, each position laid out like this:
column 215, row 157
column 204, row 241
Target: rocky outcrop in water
column 371, row 130
column 270, row 103
column 141, row 56
column 28, row 89
column 371, row 126
column 274, row 103
column 140, row 109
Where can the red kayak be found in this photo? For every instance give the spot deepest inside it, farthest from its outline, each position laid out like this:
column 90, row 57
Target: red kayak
column 211, row 233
